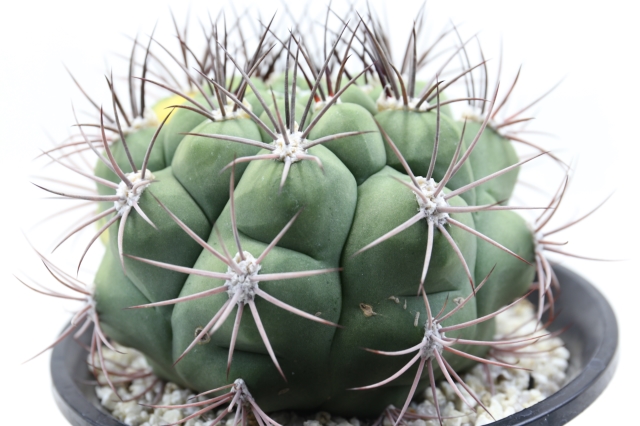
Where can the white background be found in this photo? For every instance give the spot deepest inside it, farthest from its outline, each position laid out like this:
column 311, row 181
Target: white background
column 593, row 115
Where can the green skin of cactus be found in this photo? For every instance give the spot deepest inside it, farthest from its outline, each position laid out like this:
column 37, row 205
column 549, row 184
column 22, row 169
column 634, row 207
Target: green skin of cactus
column 184, row 120
column 281, row 109
column 352, row 95
column 367, row 97
column 137, row 142
column 511, row 277
column 250, row 97
column 374, row 90
column 350, row 202
column 414, row 134
column 492, row 153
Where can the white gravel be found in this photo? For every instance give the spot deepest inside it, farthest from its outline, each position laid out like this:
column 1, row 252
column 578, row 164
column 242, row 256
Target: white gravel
column 513, row 389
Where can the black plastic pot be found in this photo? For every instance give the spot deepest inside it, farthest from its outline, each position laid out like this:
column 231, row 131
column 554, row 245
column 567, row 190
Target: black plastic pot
column 592, row 339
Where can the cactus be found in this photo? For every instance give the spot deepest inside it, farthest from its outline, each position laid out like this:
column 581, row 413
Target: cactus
column 261, row 227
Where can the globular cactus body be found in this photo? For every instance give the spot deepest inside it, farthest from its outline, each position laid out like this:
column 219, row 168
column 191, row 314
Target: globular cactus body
column 295, row 236
column 354, row 198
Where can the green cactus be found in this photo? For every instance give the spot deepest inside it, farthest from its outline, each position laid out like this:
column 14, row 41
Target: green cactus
column 280, row 234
